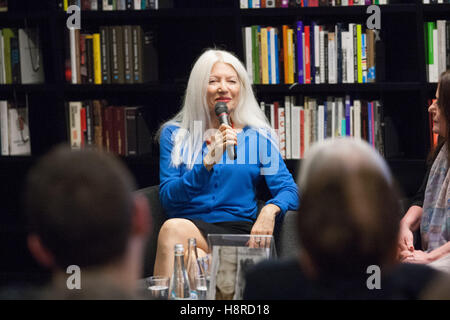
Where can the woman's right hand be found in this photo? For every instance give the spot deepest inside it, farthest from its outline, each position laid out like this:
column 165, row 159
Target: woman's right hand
column 406, row 239
column 223, row 138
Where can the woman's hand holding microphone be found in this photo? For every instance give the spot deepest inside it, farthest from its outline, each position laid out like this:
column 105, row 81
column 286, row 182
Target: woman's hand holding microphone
column 217, row 144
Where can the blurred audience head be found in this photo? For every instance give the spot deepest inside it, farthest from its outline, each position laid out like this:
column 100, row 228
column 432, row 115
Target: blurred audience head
column 82, row 211
column 349, row 210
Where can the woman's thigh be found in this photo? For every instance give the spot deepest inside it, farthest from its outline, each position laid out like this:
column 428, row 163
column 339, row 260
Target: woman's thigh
column 178, row 230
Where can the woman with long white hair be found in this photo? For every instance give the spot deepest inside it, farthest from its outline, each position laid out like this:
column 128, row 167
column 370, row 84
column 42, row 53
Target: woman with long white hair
column 203, row 188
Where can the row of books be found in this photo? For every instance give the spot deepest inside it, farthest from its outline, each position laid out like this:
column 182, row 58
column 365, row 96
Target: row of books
column 121, row 130
column 14, row 129
column 116, row 54
column 257, row 4
column 110, row 5
column 311, row 54
column 437, row 48
column 21, row 59
column 302, row 121
column 435, row 1
column 3, row 5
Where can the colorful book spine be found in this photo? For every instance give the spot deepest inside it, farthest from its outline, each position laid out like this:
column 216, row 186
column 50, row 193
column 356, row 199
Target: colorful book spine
column 300, row 73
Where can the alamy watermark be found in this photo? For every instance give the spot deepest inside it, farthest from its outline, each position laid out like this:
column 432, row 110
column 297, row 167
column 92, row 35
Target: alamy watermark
column 259, row 149
column 374, row 280
column 74, row 21
column 73, row 282
column 374, row 21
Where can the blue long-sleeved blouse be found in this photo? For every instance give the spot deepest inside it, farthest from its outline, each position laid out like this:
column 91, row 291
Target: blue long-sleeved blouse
column 228, row 191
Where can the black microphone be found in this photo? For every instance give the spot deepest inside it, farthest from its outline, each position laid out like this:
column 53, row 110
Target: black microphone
column 221, row 110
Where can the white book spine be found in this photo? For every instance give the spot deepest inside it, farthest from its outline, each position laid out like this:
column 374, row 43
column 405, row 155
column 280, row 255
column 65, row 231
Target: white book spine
column 344, row 3
column 244, row 4
column 317, row 53
column 357, row 118
column 272, row 115
column 332, row 67
column 287, row 125
column 94, row 5
column 4, row 127
column 272, row 61
column 73, row 56
column 426, row 1
column 75, row 124
column 295, row 132
column 322, row 56
column 352, row 122
column 137, row 5
column 435, row 56
column 256, row 4
column 344, row 39
column 334, row 117
column 320, row 123
column 248, row 52
column 19, row 137
column 106, row 6
column 281, row 131
column 350, row 55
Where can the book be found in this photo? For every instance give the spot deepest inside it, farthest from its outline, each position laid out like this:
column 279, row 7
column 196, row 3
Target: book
column 2, row 60
column 4, row 131
column 128, row 54
column 31, row 61
column 117, row 55
column 3, row 5
column 97, row 58
column 75, row 124
column 105, row 54
column 144, row 136
column 18, row 131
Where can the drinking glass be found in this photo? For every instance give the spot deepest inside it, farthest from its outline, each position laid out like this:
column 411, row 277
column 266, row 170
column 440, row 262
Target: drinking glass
column 201, row 287
column 159, row 287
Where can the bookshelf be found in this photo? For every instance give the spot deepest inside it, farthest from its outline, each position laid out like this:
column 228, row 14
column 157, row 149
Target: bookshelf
column 183, row 32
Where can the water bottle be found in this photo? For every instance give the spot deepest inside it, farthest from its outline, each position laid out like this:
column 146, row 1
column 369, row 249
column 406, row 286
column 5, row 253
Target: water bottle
column 195, row 271
column 179, row 283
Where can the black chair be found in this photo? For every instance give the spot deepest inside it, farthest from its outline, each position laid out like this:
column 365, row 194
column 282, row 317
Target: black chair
column 284, row 233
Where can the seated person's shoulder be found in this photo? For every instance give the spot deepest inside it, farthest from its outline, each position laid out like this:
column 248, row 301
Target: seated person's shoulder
column 410, row 280
column 274, row 280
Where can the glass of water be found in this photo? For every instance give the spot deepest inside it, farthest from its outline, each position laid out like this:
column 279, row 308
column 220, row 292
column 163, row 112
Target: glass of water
column 201, row 287
column 158, row 287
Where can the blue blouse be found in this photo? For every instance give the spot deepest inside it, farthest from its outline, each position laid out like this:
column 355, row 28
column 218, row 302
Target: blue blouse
column 228, row 191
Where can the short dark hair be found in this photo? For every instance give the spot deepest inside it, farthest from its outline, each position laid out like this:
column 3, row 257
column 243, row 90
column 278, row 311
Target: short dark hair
column 349, row 212
column 80, row 205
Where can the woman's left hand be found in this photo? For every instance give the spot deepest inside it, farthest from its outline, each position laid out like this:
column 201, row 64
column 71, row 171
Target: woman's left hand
column 419, row 257
column 264, row 225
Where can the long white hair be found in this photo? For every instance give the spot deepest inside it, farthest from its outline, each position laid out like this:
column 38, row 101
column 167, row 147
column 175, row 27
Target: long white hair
column 194, row 118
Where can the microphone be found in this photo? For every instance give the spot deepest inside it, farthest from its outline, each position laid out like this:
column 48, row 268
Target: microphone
column 221, row 110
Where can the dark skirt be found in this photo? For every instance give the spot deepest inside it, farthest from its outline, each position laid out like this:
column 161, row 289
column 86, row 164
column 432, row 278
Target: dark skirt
column 228, row 227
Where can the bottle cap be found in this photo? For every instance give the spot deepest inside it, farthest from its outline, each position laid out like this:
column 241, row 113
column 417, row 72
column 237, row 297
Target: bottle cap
column 179, row 247
column 193, row 241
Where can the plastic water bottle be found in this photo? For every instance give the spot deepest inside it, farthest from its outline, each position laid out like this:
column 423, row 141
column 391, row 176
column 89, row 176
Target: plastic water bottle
column 179, row 283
